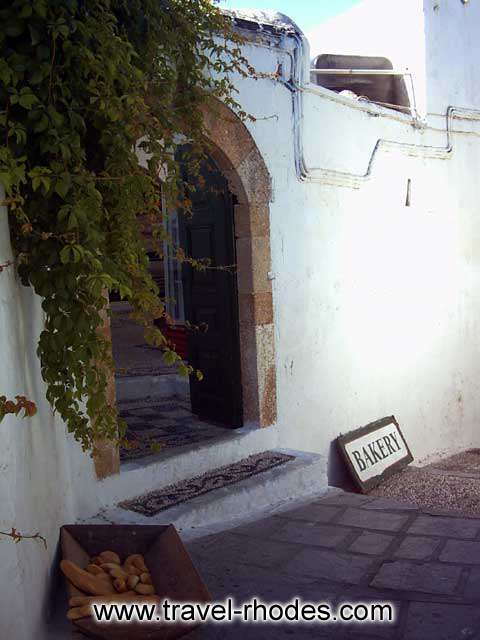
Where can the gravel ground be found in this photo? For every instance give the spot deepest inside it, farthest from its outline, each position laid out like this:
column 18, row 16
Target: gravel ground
column 451, row 484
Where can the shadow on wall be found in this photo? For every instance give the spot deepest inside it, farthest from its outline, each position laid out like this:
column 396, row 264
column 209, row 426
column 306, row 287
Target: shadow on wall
column 337, row 473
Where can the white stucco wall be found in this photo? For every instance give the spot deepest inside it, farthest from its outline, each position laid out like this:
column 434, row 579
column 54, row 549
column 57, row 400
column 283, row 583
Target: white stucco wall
column 452, row 53
column 43, row 475
column 375, row 303
column 377, row 308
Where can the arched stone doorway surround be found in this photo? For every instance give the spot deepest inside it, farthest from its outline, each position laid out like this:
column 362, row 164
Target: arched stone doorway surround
column 234, row 150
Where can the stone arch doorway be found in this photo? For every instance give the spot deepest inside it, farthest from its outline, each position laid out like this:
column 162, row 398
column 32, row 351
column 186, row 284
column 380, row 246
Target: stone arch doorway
column 236, row 155
column 210, row 297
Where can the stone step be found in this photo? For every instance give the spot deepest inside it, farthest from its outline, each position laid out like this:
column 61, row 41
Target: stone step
column 303, row 475
column 138, row 477
column 169, row 385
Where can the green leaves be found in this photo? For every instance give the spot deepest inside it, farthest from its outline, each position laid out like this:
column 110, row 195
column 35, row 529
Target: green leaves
column 59, row 28
column 63, row 184
column 170, row 357
column 85, row 85
column 40, row 8
column 6, row 73
column 25, row 98
column 35, row 36
column 12, row 171
column 98, row 283
column 13, row 27
column 71, row 253
column 42, row 124
column 154, row 336
column 40, row 177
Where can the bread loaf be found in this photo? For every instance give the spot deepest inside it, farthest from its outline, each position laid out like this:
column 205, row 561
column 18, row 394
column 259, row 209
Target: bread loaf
column 145, row 589
column 109, row 556
column 85, row 581
column 132, row 581
column 136, row 560
column 146, row 578
column 120, row 585
column 94, row 569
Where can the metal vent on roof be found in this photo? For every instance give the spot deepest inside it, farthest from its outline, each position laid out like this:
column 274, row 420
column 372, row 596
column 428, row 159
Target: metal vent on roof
column 385, row 88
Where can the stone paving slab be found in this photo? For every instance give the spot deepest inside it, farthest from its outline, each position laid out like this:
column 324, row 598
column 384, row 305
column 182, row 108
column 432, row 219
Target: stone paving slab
column 350, row 548
column 417, row 547
column 376, row 520
column 331, row 565
column 311, row 533
column 232, row 549
column 314, row 513
column 372, row 630
column 472, row 586
column 267, row 632
column 442, row 622
column 345, row 499
column 371, row 543
column 263, row 528
column 451, row 527
column 389, row 504
column 461, row 551
column 402, row 575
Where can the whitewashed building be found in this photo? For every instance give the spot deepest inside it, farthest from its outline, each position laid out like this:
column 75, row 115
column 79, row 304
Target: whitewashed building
column 357, row 240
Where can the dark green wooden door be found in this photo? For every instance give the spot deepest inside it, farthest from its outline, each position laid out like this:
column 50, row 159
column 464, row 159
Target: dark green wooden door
column 211, row 302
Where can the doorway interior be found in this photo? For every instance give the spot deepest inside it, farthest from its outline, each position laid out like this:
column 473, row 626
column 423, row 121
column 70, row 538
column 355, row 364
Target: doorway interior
column 163, row 410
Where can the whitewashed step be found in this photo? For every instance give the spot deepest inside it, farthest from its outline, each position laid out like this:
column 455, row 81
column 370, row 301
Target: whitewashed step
column 168, row 467
column 169, row 385
column 298, row 478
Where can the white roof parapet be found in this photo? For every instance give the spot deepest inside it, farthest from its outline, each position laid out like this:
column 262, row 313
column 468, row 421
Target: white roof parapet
column 265, row 17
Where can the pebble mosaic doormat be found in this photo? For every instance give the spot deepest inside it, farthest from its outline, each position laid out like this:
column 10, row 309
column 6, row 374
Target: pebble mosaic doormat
column 152, row 503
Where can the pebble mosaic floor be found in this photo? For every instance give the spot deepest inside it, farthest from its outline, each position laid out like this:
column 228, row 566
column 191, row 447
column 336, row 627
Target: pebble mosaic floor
column 164, row 424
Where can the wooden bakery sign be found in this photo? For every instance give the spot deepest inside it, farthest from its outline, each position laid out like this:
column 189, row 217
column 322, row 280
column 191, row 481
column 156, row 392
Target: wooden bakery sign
column 375, row 452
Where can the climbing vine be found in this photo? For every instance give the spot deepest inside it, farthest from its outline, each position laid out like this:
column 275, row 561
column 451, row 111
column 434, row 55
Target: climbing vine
column 87, row 87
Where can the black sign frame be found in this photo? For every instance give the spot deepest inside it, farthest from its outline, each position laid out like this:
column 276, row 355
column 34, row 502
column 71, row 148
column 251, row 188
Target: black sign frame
column 397, row 466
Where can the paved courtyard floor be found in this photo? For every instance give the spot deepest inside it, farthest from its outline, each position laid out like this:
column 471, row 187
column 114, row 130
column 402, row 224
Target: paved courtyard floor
column 346, row 547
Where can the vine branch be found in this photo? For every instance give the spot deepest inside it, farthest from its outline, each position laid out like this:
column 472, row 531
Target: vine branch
column 4, row 265
column 17, row 537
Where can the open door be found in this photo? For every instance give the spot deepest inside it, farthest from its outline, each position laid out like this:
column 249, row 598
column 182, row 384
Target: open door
column 211, row 302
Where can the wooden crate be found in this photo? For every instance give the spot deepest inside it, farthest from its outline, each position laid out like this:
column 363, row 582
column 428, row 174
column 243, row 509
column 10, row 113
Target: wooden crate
column 173, row 573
